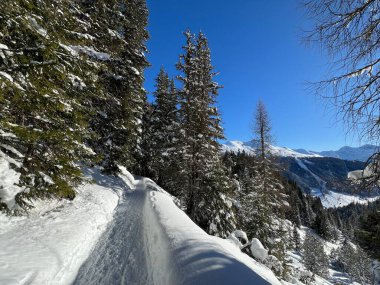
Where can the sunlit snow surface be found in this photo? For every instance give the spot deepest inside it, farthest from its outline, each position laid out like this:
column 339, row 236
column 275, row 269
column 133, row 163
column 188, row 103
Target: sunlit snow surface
column 119, row 230
column 248, row 147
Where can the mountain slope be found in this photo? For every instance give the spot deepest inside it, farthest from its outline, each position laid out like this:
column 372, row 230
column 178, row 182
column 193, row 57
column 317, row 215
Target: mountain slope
column 321, row 176
column 361, row 153
column 248, row 147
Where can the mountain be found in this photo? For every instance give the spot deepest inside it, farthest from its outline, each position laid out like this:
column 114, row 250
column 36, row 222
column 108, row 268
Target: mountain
column 361, row 153
column 248, row 147
column 321, row 174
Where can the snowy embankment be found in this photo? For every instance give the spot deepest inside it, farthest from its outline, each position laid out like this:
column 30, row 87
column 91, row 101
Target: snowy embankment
column 49, row 246
column 119, row 230
column 194, row 256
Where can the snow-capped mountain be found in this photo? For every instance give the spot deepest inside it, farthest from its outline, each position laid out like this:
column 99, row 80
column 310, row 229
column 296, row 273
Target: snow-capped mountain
column 321, row 174
column 248, row 147
column 361, row 153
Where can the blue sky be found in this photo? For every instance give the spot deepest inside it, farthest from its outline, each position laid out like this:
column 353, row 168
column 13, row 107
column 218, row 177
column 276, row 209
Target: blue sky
column 257, row 48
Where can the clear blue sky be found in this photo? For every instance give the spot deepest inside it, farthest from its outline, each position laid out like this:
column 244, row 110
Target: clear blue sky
column 257, row 48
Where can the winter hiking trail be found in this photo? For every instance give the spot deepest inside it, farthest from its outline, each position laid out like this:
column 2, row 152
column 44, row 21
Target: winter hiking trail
column 151, row 241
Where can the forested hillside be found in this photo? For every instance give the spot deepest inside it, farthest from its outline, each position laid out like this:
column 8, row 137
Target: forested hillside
column 73, row 108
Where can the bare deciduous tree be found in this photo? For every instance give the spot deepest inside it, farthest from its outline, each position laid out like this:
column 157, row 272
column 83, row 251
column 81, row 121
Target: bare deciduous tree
column 262, row 130
column 349, row 30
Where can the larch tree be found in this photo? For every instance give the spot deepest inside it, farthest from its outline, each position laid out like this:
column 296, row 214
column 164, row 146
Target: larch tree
column 263, row 199
column 350, row 33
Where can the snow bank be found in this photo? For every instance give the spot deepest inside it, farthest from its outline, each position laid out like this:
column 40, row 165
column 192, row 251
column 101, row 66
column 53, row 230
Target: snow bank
column 9, row 179
column 258, row 250
column 49, row 246
column 193, row 256
column 361, row 174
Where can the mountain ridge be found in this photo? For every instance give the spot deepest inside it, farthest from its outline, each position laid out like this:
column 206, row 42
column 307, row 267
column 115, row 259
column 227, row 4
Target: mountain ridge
column 361, row 153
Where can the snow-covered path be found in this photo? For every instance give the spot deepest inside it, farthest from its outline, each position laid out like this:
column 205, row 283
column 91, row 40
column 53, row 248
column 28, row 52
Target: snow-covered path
column 118, row 257
column 119, row 230
column 151, row 241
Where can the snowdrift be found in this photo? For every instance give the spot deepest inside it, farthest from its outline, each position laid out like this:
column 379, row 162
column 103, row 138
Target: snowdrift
column 194, row 256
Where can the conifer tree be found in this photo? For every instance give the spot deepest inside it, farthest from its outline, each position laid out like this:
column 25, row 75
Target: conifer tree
column 42, row 97
column 70, row 75
column 296, row 239
column 354, row 261
column 119, row 31
column 203, row 178
column 315, row 258
column 164, row 128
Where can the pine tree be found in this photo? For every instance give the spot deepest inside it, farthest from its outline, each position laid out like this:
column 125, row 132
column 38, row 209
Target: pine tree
column 315, row 258
column 296, row 239
column 203, row 177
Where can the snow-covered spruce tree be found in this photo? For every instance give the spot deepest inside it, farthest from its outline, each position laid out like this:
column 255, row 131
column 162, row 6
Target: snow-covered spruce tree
column 356, row 263
column 314, row 256
column 119, row 34
column 42, row 98
column 296, row 239
column 205, row 186
column 164, row 131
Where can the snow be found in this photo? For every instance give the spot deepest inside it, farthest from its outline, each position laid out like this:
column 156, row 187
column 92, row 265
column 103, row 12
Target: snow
column 9, row 178
column 76, row 81
column 361, row 174
column 239, row 238
column 46, row 178
column 194, row 256
column 258, row 250
column 2, row 46
column 121, row 230
column 331, row 199
column 38, row 28
column 361, row 153
column 49, row 246
column 91, row 52
column 6, row 75
column 248, row 147
column 135, row 71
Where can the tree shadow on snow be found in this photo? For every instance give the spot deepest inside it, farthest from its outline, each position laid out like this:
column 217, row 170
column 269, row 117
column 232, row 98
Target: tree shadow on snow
column 201, row 265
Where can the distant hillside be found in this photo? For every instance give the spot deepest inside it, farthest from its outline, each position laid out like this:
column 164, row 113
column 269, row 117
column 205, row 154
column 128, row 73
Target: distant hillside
column 361, row 153
column 322, row 174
